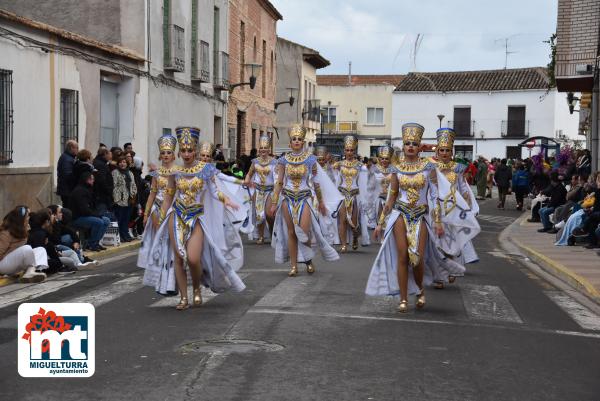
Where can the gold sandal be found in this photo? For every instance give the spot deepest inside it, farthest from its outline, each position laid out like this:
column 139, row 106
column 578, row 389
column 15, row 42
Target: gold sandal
column 420, row 299
column 403, row 306
column 343, row 249
column 197, row 297
column 293, row 271
column 260, row 241
column 310, row 268
column 183, row 304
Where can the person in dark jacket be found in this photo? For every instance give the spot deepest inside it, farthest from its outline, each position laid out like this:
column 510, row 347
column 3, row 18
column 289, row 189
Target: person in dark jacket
column 558, row 196
column 39, row 236
column 592, row 220
column 503, row 176
column 64, row 170
column 85, row 214
column 520, row 184
column 103, row 180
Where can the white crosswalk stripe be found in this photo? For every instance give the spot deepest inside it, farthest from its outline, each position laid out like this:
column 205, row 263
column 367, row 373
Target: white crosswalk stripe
column 105, row 294
column 584, row 317
column 25, row 292
column 488, row 302
column 496, row 219
column 170, row 302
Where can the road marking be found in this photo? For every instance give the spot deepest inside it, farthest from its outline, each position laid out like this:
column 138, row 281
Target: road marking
column 580, row 314
column 105, row 294
column 424, row 321
column 488, row 302
column 496, row 219
column 286, row 292
column 25, row 292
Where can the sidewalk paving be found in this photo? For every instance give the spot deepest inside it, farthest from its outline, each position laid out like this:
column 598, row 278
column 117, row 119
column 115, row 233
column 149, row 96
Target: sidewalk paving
column 575, row 265
column 102, row 255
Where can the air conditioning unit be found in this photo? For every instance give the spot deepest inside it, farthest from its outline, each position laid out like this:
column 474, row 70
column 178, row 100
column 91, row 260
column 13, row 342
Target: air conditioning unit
column 174, row 51
column 584, row 69
column 201, row 71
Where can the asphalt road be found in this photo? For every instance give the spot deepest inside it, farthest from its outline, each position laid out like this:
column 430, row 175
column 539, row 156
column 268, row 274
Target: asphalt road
column 499, row 333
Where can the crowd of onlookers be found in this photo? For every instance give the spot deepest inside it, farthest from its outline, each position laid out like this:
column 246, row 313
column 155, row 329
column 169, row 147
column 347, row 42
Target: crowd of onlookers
column 564, row 192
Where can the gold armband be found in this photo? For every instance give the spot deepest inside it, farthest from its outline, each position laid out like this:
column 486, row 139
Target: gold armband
column 153, row 189
column 170, row 191
column 318, row 193
column 381, row 218
column 393, row 192
column 437, row 214
column 221, row 196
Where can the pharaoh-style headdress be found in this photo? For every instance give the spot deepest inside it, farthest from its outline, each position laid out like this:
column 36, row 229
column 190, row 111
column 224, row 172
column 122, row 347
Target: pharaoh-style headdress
column 297, row 131
column 187, row 137
column 167, row 142
column 412, row 132
column 264, row 142
column 385, row 151
column 350, row 142
column 445, row 138
column 207, row 147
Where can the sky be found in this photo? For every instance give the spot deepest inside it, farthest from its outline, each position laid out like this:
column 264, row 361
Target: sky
column 400, row 36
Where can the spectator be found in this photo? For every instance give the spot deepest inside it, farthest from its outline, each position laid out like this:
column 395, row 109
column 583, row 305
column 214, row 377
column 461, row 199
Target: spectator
column 64, row 170
column 124, row 193
column 116, row 153
column 557, row 194
column 85, row 214
column 481, row 178
column 103, row 181
column 503, row 176
column 143, row 191
column 520, row 184
column 65, row 237
column 490, row 177
column 15, row 255
column 583, row 164
column 39, row 236
column 592, row 218
column 128, row 147
column 575, row 195
column 219, row 157
column 83, row 163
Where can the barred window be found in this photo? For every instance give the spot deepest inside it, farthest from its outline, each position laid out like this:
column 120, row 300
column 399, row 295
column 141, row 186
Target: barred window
column 69, row 116
column 6, row 117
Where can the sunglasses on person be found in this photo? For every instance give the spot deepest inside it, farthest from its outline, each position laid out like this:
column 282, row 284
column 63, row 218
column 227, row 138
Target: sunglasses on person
column 411, row 144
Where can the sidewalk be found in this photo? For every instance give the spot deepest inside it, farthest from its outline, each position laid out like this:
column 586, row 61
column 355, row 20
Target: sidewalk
column 100, row 256
column 575, row 265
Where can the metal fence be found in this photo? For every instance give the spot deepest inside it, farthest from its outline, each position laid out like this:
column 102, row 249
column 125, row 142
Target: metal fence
column 6, row 117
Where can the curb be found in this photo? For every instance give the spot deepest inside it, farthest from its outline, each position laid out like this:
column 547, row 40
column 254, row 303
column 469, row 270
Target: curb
column 556, row 269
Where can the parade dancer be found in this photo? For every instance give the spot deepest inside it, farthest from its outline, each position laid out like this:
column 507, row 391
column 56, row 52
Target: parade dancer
column 412, row 196
column 323, row 158
column 192, row 232
column 296, row 227
column 261, row 178
column 383, row 169
column 352, row 179
column 447, row 255
column 152, row 212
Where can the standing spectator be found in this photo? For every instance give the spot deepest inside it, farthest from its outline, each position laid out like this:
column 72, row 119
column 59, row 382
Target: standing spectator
column 83, row 162
column 116, row 153
column 520, row 184
column 558, row 195
column 583, row 164
column 481, row 178
column 503, row 176
column 64, row 170
column 490, row 177
column 15, row 255
column 128, row 147
column 123, row 193
column 85, row 214
column 103, row 181
column 219, row 157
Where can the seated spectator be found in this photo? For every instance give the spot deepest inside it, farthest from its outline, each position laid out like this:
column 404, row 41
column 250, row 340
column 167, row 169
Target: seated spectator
column 82, row 163
column 124, row 193
column 591, row 219
column 61, row 235
column 557, row 194
column 15, row 255
column 575, row 194
column 520, row 184
column 39, row 236
column 85, row 214
column 103, row 183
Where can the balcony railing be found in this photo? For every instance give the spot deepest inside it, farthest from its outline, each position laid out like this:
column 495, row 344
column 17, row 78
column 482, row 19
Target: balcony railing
column 174, row 48
column 341, row 127
column 463, row 128
column 221, row 73
column 312, row 110
column 514, row 128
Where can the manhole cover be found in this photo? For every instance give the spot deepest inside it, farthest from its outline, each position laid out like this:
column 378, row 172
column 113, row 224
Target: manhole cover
column 230, row 346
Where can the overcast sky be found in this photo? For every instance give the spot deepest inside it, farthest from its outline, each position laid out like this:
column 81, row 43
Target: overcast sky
column 379, row 36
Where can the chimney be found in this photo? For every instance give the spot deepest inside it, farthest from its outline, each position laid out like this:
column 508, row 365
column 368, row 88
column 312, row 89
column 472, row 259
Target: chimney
column 349, row 73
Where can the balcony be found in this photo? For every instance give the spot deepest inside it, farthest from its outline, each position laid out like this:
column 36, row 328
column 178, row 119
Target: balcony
column 221, row 73
column 201, row 66
column 341, row 127
column 174, row 48
column 463, row 128
column 514, row 128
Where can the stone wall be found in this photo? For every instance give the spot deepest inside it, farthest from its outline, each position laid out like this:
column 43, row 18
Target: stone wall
column 25, row 186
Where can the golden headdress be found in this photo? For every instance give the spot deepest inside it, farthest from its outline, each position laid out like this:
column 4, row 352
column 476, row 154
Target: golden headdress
column 207, row 147
column 297, row 131
column 167, row 142
column 264, row 142
column 412, row 132
column 187, row 137
column 350, row 142
column 445, row 138
column 385, row 151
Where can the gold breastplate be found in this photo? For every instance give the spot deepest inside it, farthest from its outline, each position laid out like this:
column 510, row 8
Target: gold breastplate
column 295, row 173
column 162, row 183
column 349, row 171
column 412, row 184
column 188, row 189
column 263, row 172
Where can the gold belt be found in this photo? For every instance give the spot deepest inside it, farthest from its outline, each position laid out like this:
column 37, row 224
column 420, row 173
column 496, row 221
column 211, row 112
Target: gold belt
column 348, row 192
column 297, row 196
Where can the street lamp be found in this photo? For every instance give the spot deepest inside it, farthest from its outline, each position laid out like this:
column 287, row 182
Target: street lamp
column 254, row 69
column 290, row 101
column 572, row 101
column 440, row 117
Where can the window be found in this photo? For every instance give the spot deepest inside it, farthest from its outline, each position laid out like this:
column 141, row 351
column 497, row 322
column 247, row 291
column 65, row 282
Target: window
column 463, row 152
column 329, row 114
column 194, row 47
column 242, row 51
column 516, row 121
column 374, row 115
column 462, row 121
column 205, row 61
column 69, row 116
column 216, row 38
column 167, row 131
column 272, row 70
column 6, row 117
column 513, row 152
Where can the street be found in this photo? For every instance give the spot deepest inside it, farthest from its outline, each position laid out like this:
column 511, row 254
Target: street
column 499, row 333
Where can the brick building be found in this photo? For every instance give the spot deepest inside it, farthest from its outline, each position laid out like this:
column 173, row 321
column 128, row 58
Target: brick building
column 577, row 52
column 252, row 41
